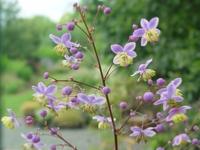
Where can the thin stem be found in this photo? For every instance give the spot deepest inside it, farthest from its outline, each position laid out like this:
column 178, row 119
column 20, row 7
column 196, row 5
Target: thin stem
column 102, row 77
column 107, row 72
column 75, row 81
column 82, row 30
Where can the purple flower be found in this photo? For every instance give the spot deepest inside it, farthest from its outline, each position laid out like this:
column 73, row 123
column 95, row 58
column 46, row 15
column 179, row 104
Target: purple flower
column 67, row 90
column 144, row 72
column 107, row 10
column 56, row 106
column 91, row 99
column 168, row 95
column 73, row 103
column 139, row 132
column 148, row 96
column 44, row 93
column 64, row 40
column 70, row 61
column 104, row 122
column 177, row 114
column 33, row 141
column 181, row 139
column 124, row 55
column 149, row 31
column 70, row 26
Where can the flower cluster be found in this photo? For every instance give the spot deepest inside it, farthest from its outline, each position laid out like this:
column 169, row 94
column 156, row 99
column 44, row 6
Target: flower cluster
column 55, row 97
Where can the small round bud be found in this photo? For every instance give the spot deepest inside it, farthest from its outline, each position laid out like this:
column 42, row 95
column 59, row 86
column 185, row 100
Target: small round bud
column 195, row 141
column 123, row 105
column 160, row 148
column 150, row 82
column 29, row 136
column 54, row 131
column 53, row 147
column 43, row 113
column 133, row 38
column 29, row 120
column 132, row 114
column 195, row 128
column 106, row 90
column 59, row 27
column 134, row 26
column 160, row 82
column 75, row 66
column 46, row 75
column 79, row 55
column 159, row 128
column 36, row 139
column 148, row 96
column 70, row 26
column 139, row 98
column 107, row 10
column 73, row 50
column 67, row 90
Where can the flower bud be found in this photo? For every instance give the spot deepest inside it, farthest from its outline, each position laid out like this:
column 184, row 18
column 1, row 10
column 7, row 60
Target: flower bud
column 123, row 105
column 134, row 26
column 79, row 55
column 160, row 148
column 36, row 139
column 106, row 90
column 75, row 66
column 107, row 10
column 67, row 90
column 133, row 38
column 29, row 120
column 132, row 114
column 160, row 82
column 43, row 113
column 70, row 26
column 139, row 98
column 73, row 50
column 59, row 27
column 53, row 147
column 46, row 75
column 195, row 141
column 150, row 82
column 159, row 128
column 29, row 136
column 148, row 96
column 54, row 131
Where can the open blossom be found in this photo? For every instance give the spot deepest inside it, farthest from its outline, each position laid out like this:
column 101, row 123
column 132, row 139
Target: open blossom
column 33, row 142
column 149, row 31
column 169, row 95
column 139, row 132
column 44, row 93
column 70, row 61
column 89, row 102
column 10, row 121
column 104, row 122
column 124, row 55
column 63, row 43
column 144, row 72
column 181, row 139
column 55, row 106
column 177, row 114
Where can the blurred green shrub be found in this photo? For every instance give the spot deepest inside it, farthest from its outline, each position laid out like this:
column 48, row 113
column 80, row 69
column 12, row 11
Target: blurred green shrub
column 70, row 119
column 30, row 108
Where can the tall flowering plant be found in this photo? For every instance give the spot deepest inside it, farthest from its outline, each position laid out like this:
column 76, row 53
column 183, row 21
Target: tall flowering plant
column 169, row 96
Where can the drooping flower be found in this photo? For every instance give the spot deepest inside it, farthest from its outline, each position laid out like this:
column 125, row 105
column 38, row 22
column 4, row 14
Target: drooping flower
column 44, row 93
column 181, row 139
column 70, row 61
column 124, row 55
column 149, row 31
column 140, row 133
column 56, row 106
column 169, row 95
column 104, row 122
column 89, row 102
column 63, row 43
column 144, row 72
column 33, row 141
column 177, row 114
column 10, row 121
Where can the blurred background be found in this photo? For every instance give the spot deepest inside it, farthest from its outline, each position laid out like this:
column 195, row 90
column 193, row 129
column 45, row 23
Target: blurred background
column 26, row 52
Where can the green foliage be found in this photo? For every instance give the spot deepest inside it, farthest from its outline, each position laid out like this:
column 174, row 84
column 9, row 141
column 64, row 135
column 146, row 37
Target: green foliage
column 70, row 119
column 30, row 108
